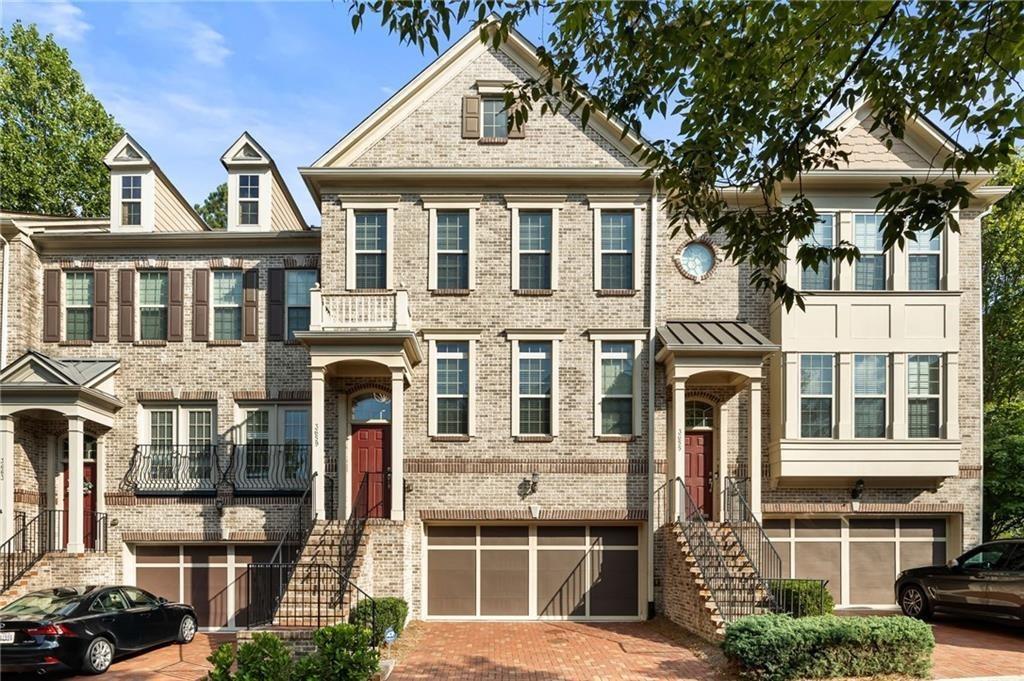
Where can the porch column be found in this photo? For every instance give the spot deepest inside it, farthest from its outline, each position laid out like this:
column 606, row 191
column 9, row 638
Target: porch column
column 677, row 446
column 76, row 490
column 101, row 475
column 319, row 506
column 397, row 444
column 755, row 447
column 6, row 477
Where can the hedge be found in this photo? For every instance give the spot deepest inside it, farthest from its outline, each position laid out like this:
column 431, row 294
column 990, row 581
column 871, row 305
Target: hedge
column 390, row 611
column 801, row 597
column 781, row 648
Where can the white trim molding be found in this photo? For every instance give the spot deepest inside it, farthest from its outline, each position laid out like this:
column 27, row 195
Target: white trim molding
column 598, row 203
column 387, row 203
column 452, row 202
column 517, row 202
column 470, row 337
column 600, row 336
column 553, row 336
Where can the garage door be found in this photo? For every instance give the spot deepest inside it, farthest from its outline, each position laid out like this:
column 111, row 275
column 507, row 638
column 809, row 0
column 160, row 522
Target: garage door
column 860, row 557
column 533, row 571
column 211, row 577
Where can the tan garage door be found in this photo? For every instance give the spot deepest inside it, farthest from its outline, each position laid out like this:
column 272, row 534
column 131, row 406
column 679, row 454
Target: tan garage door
column 210, row 577
column 860, row 557
column 533, row 571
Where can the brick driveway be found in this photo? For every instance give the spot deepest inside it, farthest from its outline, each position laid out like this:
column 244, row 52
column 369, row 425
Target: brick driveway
column 553, row 651
column 966, row 649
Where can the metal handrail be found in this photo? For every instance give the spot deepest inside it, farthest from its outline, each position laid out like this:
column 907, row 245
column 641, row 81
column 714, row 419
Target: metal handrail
column 757, row 548
column 174, row 469
column 269, row 468
column 34, row 539
column 300, row 528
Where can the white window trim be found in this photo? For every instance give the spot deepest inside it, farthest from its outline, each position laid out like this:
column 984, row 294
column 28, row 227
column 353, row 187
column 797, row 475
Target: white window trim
column 517, row 203
column 275, row 416
column 443, row 203
column 886, row 396
column 552, row 335
column 636, row 204
column 179, row 421
column 211, row 322
column 498, row 97
column 389, row 204
column 234, row 198
column 834, row 265
column 942, row 430
column 432, row 337
column 287, row 306
column 801, row 395
column 598, row 336
column 65, row 306
column 139, row 305
column 940, row 254
column 148, row 203
column 887, row 256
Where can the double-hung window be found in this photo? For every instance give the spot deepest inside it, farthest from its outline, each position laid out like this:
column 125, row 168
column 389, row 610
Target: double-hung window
column 453, row 249
column 371, row 249
column 227, row 305
column 452, row 366
column 257, row 444
column 870, row 272
column 297, row 284
column 870, row 396
column 248, row 199
column 534, row 375
column 295, row 424
column 78, row 303
column 131, row 200
column 823, row 236
column 817, row 387
column 924, row 394
column 494, row 118
column 535, row 249
column 924, row 263
column 161, row 444
column 617, row 249
column 200, row 444
column 153, row 305
column 616, row 399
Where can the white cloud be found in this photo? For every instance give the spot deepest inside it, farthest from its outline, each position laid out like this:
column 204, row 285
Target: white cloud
column 203, row 42
column 61, row 18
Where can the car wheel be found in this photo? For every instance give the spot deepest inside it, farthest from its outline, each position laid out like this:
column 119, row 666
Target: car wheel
column 914, row 602
column 187, row 629
column 98, row 656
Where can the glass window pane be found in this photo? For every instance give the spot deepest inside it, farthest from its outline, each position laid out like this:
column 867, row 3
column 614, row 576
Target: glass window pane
column 79, row 288
column 617, row 376
column 249, row 212
column 249, row 186
column 453, row 416
column 227, row 323
column 371, row 270
column 297, row 286
column 227, row 287
column 453, row 230
column 152, row 288
column 153, row 323
column 535, row 230
column 617, row 231
column 867, row 232
column 869, row 417
column 296, row 426
column 79, row 323
column 535, row 368
column 926, row 243
column 870, row 273
column 371, row 230
column 131, row 213
column 816, row 374
column 161, row 427
column 452, row 376
column 372, row 408
column 495, row 118
column 535, row 415
column 617, row 415
column 869, row 374
column 923, row 272
column 923, row 417
column 200, row 428
column 452, row 271
column 923, row 374
column 816, row 417
column 257, row 426
column 823, row 234
column 131, row 187
column 699, row 415
column 298, row 320
column 616, row 271
column 535, row 271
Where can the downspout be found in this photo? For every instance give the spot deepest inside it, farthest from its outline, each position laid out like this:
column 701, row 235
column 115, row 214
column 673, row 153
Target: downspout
column 981, row 360
column 3, row 301
column 652, row 272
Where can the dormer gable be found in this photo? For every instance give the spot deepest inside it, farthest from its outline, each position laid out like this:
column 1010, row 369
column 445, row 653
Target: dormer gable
column 258, row 198
column 142, row 199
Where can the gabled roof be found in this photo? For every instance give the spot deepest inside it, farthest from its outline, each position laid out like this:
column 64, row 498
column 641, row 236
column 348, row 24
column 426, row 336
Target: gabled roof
column 36, row 368
column 246, row 151
column 717, row 336
column 433, row 77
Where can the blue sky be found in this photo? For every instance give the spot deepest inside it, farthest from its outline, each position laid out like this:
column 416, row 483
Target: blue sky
column 185, row 79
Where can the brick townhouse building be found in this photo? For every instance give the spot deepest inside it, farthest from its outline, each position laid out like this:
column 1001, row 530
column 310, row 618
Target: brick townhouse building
column 491, row 354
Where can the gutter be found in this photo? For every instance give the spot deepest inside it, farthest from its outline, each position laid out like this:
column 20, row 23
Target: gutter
column 652, row 271
column 3, row 300
column 981, row 360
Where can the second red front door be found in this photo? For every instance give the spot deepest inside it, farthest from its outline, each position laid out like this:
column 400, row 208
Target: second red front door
column 699, row 467
column 371, row 471
column 88, row 503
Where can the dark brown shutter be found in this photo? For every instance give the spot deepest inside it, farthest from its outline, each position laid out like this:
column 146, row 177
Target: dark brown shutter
column 250, row 305
column 471, row 117
column 200, row 305
column 175, row 305
column 515, row 133
column 51, row 306
column 126, row 306
column 101, row 306
column 275, row 305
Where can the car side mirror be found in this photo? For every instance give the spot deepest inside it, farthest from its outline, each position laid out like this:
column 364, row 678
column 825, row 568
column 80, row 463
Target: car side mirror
column 952, row 563
column 161, row 600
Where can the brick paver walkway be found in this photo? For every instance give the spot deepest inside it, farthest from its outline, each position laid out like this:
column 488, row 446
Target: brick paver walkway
column 967, row 649
column 554, row 651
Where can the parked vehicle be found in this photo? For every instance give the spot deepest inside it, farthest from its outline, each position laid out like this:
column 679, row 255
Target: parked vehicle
column 987, row 581
column 87, row 627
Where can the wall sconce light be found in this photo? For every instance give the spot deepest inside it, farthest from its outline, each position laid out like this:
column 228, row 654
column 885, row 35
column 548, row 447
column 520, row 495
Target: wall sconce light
column 534, row 480
column 220, row 506
column 858, row 490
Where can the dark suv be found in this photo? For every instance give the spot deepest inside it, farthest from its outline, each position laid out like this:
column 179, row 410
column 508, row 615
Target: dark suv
column 987, row 581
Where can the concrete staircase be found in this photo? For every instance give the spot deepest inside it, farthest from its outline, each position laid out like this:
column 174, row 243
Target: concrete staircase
column 325, row 583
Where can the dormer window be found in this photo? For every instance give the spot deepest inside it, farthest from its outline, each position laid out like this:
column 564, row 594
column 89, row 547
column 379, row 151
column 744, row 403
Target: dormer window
column 248, row 199
column 131, row 200
column 495, row 118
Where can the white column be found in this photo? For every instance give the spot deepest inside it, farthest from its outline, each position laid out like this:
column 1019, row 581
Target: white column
column 6, row 477
column 755, row 447
column 317, row 424
column 101, row 475
column 397, row 445
column 677, row 445
column 76, row 476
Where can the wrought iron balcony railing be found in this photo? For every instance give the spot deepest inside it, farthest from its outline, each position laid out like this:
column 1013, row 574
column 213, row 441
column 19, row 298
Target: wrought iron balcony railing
column 174, row 469
column 270, row 468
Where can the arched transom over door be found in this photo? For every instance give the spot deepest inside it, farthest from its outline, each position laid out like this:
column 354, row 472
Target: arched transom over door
column 371, row 455
column 700, row 455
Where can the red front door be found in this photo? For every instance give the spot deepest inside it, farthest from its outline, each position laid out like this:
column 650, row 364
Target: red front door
column 88, row 504
column 699, row 466
column 371, row 471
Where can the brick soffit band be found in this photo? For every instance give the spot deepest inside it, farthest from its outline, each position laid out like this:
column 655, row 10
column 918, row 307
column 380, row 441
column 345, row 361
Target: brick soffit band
column 198, row 537
column 850, row 507
column 526, row 514
column 454, row 465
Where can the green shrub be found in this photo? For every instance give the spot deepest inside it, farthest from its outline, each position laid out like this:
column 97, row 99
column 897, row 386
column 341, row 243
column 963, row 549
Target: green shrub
column 344, row 651
column 264, row 658
column 221, row 659
column 780, row 648
column 802, row 598
column 391, row 612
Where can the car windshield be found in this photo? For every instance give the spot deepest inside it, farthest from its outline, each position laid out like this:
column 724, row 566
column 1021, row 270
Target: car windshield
column 45, row 604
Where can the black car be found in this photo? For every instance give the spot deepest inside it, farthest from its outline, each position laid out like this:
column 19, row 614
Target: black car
column 86, row 627
column 987, row 581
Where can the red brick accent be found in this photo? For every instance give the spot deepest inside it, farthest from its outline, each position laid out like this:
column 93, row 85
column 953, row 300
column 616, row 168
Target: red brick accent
column 199, row 395
column 862, row 508
column 27, row 497
column 154, row 395
column 524, row 514
column 296, row 395
column 454, row 465
column 198, row 537
column 252, row 395
column 970, row 472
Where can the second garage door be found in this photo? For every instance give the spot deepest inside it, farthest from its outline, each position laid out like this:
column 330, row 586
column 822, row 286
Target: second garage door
column 533, row 571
